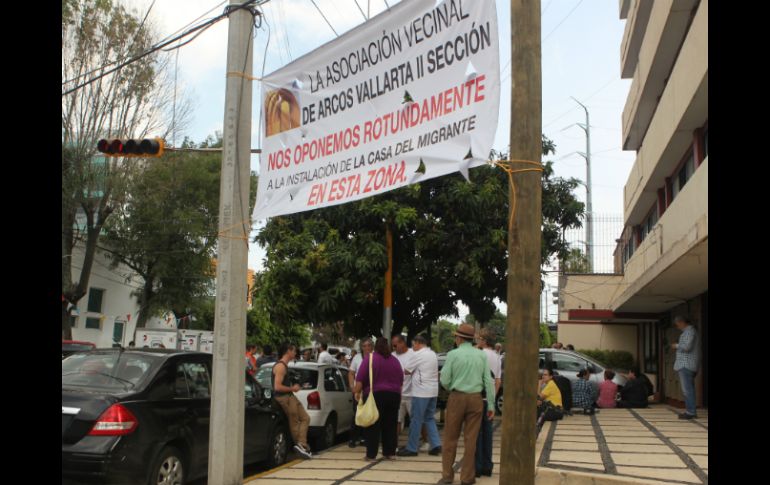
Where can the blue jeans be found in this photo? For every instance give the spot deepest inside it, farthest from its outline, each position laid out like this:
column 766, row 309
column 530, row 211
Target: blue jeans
column 484, row 444
column 687, row 381
column 423, row 410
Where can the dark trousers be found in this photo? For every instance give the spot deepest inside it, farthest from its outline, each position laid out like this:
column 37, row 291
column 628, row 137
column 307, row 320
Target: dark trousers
column 355, row 430
column 631, row 404
column 484, row 445
column 385, row 427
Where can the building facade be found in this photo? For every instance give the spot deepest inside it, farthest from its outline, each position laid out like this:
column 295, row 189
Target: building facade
column 661, row 259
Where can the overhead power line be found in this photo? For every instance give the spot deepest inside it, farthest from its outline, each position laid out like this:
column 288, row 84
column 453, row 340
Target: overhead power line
column 324, row 17
column 157, row 47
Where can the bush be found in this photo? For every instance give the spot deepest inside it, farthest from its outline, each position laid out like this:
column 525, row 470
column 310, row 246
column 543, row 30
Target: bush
column 545, row 336
column 614, row 359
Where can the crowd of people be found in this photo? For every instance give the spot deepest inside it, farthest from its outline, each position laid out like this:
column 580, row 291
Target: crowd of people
column 406, row 382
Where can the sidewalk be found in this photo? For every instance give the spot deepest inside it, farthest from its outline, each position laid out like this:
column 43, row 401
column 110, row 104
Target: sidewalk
column 615, row 446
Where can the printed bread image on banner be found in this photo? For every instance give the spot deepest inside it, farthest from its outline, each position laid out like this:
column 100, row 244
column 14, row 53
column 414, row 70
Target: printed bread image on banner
column 409, row 95
column 281, row 112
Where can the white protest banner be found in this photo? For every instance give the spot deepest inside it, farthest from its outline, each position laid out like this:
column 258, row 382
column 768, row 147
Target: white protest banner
column 409, row 95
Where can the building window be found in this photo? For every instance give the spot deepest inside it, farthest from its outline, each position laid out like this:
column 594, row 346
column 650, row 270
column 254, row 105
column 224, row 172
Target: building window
column 650, row 347
column 95, row 299
column 706, row 143
column 684, row 173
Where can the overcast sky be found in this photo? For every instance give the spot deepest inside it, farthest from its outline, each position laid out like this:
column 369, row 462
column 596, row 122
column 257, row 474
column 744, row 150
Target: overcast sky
column 580, row 58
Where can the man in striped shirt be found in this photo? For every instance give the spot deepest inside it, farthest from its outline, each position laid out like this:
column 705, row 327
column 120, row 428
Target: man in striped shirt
column 686, row 363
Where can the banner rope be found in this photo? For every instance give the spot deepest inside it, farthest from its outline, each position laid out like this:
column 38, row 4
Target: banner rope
column 506, row 165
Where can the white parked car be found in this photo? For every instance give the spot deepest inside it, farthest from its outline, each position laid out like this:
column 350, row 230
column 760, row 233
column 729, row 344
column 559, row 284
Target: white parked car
column 325, row 394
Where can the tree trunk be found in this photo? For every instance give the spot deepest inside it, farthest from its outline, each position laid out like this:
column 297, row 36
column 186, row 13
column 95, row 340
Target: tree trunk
column 145, row 302
column 66, row 328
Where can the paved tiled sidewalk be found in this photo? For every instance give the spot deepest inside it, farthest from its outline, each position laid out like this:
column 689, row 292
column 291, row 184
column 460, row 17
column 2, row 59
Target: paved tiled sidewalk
column 644, row 443
column 613, row 447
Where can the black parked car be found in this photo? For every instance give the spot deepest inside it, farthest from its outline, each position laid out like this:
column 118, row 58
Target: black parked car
column 142, row 417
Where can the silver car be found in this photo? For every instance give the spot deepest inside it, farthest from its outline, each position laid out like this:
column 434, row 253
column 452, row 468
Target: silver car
column 567, row 363
column 325, row 395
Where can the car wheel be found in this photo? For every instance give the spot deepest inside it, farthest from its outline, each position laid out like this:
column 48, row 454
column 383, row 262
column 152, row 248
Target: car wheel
column 279, row 447
column 169, row 468
column 499, row 402
column 329, row 433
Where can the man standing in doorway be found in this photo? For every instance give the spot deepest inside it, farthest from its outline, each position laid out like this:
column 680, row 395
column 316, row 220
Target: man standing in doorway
column 405, row 355
column 465, row 374
column 686, row 363
column 424, row 371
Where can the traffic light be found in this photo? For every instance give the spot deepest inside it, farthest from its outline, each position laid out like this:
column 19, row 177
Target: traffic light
column 148, row 147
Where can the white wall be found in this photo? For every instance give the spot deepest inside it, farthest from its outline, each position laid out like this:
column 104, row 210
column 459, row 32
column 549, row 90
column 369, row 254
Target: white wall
column 117, row 302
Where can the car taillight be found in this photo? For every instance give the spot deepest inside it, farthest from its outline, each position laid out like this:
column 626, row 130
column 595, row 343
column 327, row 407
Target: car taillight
column 115, row 421
column 314, row 400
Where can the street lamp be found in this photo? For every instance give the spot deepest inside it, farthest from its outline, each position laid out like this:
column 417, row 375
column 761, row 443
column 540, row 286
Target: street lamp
column 589, row 214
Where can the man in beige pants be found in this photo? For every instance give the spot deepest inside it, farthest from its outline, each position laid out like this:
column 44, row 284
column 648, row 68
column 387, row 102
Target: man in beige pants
column 283, row 391
column 465, row 374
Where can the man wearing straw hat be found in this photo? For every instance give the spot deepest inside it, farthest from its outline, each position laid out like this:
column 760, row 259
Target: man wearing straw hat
column 465, row 375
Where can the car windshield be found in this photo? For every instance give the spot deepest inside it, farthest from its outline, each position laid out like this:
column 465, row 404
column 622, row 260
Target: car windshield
column 112, row 371
column 306, row 378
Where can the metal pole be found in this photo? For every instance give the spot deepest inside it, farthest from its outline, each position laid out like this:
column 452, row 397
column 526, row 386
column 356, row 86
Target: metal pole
column 589, row 205
column 387, row 314
column 227, row 396
column 517, row 453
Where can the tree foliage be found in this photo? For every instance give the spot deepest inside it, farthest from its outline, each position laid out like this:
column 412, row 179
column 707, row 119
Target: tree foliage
column 130, row 103
column 450, row 246
column 443, row 335
column 166, row 231
column 576, row 261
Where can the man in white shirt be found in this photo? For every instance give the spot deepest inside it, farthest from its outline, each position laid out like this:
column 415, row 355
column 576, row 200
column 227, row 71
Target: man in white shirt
column 405, row 355
column 325, row 357
column 484, row 441
column 424, row 372
column 367, row 346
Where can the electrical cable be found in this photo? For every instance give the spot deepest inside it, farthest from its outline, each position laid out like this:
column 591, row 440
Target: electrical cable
column 324, row 17
column 562, row 21
column 157, row 47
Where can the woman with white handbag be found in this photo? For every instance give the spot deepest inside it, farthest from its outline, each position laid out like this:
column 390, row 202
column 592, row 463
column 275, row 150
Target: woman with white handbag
column 380, row 417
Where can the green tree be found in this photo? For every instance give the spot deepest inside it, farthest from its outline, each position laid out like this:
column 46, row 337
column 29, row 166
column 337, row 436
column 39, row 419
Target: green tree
column 450, row 246
column 130, row 103
column 546, row 337
column 443, row 335
column 576, row 262
column 166, row 231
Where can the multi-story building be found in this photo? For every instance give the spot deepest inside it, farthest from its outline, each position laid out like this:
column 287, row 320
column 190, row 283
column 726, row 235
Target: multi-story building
column 661, row 260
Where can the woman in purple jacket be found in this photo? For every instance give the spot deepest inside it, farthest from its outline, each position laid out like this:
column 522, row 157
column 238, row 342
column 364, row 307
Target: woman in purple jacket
column 388, row 379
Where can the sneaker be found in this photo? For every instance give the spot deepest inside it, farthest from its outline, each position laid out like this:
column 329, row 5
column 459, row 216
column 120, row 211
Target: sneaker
column 406, row 452
column 303, row 451
column 425, row 447
column 687, row 416
column 351, row 444
column 435, row 451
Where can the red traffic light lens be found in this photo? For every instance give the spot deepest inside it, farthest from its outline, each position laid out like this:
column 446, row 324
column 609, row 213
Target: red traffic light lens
column 115, row 147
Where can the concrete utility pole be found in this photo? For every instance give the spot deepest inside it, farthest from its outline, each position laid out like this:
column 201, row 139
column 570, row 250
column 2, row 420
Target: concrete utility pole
column 517, row 455
column 225, row 465
column 589, row 210
column 387, row 313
